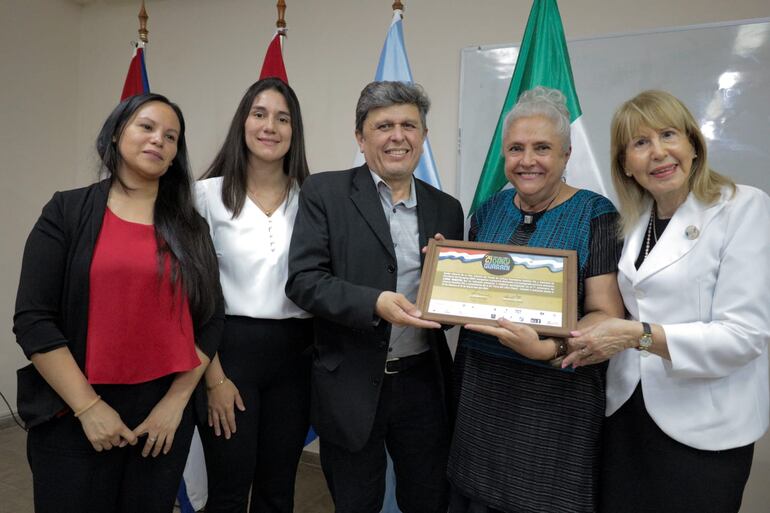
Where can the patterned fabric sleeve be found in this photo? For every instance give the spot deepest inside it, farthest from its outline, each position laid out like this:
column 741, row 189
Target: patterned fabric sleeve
column 605, row 245
column 477, row 220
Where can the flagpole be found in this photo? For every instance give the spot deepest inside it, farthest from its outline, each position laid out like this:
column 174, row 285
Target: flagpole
column 143, row 25
column 398, row 7
column 272, row 65
column 280, row 24
column 136, row 79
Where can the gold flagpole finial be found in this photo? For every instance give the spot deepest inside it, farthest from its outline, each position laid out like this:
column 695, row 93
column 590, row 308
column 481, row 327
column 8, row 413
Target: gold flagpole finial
column 143, row 24
column 398, row 6
column 281, row 23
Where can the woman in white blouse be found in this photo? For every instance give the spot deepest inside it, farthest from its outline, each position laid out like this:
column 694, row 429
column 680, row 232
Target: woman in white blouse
column 259, row 382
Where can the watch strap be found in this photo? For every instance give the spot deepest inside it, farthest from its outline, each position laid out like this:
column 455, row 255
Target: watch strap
column 645, row 341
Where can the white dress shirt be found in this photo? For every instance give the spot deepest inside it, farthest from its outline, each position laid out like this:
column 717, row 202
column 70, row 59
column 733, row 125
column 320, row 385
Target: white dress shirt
column 253, row 252
column 707, row 282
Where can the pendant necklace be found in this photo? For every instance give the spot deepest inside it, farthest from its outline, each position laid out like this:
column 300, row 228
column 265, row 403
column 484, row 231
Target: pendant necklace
column 529, row 217
column 269, row 211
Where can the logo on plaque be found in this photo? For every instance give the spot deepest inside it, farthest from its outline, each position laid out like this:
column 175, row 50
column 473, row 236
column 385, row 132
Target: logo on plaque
column 497, row 263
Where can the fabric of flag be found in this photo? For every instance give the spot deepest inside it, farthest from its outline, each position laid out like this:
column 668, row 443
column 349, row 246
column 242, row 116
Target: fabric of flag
column 193, row 490
column 136, row 78
column 394, row 65
column 273, row 65
column 543, row 60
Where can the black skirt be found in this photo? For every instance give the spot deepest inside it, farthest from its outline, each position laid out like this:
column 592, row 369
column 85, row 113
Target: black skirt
column 527, row 438
column 644, row 470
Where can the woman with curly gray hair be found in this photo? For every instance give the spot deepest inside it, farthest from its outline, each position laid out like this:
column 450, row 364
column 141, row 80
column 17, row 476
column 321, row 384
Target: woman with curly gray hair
column 528, row 434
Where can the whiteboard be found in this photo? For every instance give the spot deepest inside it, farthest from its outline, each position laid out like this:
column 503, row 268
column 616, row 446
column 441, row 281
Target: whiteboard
column 720, row 71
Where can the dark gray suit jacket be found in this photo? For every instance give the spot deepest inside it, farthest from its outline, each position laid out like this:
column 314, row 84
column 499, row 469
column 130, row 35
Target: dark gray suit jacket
column 341, row 259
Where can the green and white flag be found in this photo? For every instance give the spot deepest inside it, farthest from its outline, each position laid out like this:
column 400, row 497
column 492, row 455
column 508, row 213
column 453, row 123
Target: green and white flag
column 543, row 60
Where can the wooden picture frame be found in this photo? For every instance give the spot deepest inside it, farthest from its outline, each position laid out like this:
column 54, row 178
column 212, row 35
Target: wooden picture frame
column 477, row 283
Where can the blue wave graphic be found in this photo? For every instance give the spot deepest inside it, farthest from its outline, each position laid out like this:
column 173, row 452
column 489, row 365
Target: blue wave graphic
column 552, row 264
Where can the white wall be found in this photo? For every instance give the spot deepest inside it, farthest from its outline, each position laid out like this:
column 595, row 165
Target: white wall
column 39, row 46
column 204, row 54
column 63, row 68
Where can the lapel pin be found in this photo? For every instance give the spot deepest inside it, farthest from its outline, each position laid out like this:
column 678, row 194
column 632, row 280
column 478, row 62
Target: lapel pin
column 692, row 232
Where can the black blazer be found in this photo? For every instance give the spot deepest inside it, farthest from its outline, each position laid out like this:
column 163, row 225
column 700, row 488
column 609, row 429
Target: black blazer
column 52, row 300
column 341, row 259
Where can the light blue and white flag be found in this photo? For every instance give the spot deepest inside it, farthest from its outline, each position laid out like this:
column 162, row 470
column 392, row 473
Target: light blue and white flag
column 394, row 65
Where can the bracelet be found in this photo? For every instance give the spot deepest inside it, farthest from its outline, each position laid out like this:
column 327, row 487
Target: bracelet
column 88, row 406
column 561, row 352
column 215, row 385
column 561, row 348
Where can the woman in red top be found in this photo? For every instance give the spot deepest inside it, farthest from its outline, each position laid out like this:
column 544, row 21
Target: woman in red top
column 119, row 309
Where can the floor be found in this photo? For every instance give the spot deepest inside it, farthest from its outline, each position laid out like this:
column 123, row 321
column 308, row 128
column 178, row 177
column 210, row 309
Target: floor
column 311, row 495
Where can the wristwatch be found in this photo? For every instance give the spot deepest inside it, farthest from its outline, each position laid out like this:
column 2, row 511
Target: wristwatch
column 645, row 341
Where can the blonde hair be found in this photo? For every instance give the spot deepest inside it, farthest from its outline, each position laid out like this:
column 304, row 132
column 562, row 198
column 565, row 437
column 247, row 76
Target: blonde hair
column 657, row 110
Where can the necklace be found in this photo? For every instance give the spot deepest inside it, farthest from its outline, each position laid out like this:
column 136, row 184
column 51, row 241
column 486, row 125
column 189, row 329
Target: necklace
column 652, row 232
column 530, row 218
column 269, row 211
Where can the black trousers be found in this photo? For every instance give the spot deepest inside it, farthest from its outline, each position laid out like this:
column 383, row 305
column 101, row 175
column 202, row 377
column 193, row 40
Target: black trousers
column 269, row 362
column 411, row 421
column 646, row 471
column 69, row 476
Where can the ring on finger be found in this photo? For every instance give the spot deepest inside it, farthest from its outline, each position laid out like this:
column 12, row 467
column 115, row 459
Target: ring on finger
column 153, row 439
column 584, row 351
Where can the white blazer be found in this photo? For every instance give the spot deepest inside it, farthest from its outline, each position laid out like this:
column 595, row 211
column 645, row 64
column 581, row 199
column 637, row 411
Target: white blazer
column 711, row 294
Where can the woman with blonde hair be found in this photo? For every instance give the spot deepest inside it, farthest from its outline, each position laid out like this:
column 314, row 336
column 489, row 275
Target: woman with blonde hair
column 687, row 384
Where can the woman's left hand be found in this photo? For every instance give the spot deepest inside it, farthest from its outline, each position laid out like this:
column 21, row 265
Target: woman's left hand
column 160, row 425
column 601, row 342
column 521, row 338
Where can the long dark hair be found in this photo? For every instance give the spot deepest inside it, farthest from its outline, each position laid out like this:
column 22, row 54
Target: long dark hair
column 232, row 160
column 181, row 233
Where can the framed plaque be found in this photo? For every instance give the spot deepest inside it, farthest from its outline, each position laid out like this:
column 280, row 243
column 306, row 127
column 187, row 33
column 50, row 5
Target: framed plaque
column 478, row 283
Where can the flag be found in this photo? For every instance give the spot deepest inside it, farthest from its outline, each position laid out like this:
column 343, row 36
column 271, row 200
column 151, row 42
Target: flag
column 273, row 66
column 193, row 490
column 394, row 65
column 543, row 60
column 136, row 78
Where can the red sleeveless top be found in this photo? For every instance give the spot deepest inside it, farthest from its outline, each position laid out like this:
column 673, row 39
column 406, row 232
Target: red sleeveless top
column 139, row 324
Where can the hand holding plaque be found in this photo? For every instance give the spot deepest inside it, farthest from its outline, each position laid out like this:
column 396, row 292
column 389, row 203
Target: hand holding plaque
column 479, row 283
